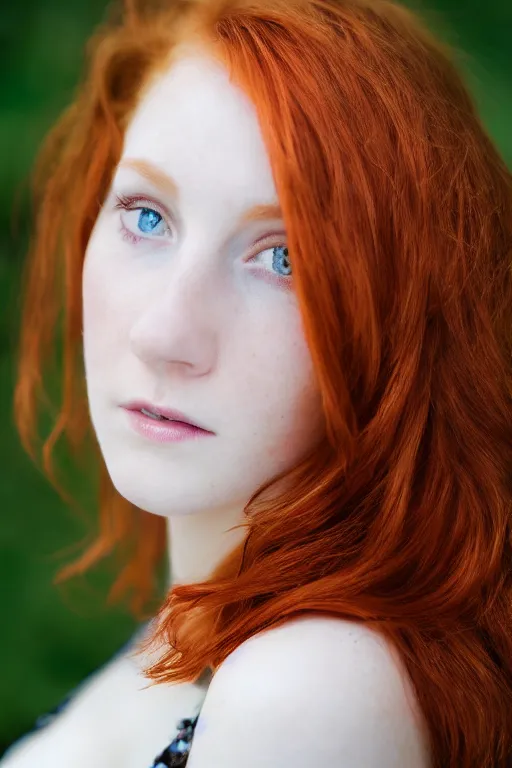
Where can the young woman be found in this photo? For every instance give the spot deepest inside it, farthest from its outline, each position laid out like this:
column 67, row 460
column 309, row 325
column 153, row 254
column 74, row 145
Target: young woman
column 281, row 237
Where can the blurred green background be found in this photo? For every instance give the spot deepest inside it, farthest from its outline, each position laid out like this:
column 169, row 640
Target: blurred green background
column 51, row 638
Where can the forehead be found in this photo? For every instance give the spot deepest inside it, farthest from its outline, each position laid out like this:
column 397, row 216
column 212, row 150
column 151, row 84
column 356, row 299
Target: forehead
column 203, row 130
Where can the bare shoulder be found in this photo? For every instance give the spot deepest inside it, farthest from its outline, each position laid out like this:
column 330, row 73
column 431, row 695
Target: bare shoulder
column 315, row 690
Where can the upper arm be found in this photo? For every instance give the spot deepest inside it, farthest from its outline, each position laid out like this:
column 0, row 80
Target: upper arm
column 315, row 691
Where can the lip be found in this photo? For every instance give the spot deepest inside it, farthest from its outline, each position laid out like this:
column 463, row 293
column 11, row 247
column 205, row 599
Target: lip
column 175, row 417
column 163, row 431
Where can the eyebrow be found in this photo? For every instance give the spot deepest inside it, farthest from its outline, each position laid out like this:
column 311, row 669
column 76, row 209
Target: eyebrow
column 153, row 174
column 166, row 183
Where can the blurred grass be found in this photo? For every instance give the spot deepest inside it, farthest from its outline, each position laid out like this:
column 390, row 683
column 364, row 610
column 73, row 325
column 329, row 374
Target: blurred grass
column 52, row 638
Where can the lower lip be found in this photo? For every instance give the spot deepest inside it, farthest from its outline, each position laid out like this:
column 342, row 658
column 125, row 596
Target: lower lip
column 164, row 431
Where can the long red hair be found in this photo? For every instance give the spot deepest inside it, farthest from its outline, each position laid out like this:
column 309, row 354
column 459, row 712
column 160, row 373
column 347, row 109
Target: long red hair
column 398, row 210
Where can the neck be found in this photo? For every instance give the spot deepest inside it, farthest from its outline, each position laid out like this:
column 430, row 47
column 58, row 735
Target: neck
column 198, row 543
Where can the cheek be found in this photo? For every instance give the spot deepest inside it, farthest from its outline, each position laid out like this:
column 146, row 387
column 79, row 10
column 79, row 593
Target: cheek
column 284, row 386
column 297, row 412
column 106, row 297
column 95, row 310
column 101, row 336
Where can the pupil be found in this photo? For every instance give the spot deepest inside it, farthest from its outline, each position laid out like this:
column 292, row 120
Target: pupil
column 148, row 220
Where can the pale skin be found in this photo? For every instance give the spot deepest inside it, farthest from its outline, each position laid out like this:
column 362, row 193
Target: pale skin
column 197, row 316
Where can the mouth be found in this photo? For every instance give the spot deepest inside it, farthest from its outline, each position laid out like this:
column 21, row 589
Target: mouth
column 161, row 413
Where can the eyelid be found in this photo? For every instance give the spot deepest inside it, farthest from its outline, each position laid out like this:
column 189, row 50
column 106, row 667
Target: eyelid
column 267, row 241
column 133, row 202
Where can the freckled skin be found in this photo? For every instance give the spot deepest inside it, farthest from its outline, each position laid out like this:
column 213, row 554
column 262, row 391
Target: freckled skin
column 195, row 316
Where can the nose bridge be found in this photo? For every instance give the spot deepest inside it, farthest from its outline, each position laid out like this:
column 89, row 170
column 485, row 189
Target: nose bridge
column 177, row 323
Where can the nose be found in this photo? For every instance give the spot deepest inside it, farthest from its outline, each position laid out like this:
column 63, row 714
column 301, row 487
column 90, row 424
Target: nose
column 176, row 327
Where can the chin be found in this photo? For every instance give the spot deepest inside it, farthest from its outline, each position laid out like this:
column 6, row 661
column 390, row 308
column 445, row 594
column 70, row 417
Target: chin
column 164, row 497
column 174, row 501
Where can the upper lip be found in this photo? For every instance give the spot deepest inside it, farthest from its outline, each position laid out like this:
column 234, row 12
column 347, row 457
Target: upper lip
column 160, row 410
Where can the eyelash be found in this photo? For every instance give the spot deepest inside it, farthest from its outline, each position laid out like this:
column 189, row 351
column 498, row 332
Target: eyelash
column 128, row 204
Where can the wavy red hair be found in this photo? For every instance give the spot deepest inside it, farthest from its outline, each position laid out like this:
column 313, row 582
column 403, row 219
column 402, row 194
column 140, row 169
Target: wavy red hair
column 399, row 214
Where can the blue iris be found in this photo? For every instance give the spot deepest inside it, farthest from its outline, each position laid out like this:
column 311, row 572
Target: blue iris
column 280, row 259
column 148, row 220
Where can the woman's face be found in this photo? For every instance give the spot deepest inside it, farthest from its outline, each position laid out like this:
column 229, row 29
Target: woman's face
column 188, row 303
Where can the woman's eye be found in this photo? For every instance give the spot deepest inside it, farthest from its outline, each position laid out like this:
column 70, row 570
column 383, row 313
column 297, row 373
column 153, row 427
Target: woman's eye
column 277, row 259
column 140, row 222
